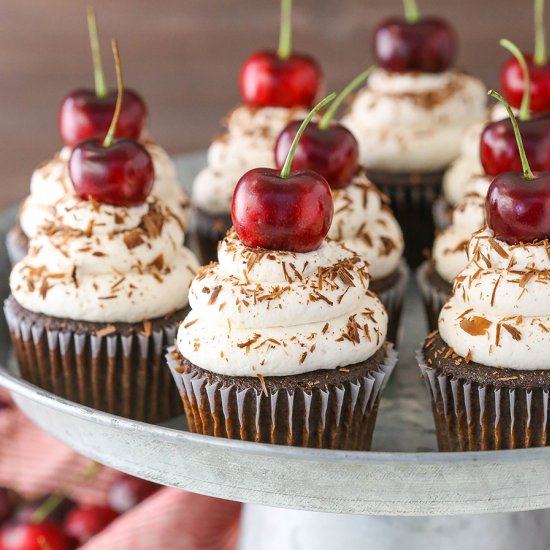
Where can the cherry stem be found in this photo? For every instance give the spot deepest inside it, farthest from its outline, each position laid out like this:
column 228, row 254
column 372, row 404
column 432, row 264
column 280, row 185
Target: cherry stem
column 527, row 173
column 109, row 138
column 352, row 86
column 412, row 15
column 285, row 31
column 285, row 172
column 540, row 57
column 99, row 75
column 525, row 108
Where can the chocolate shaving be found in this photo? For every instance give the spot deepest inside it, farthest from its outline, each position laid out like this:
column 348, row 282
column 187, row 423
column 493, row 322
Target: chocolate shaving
column 515, row 333
column 475, row 326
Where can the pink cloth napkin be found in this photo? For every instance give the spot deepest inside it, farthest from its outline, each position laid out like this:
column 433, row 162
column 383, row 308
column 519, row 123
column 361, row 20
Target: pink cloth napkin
column 32, row 463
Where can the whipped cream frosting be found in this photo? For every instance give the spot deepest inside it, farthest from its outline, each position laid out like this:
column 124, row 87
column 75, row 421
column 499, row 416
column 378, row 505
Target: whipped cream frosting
column 364, row 223
column 499, row 313
column 414, row 122
column 249, row 143
column 272, row 313
column 101, row 263
column 50, row 182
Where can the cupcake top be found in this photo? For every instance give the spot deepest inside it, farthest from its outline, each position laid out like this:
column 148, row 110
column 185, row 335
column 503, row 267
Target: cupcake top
column 364, row 223
column 101, row 263
column 249, row 142
column 450, row 249
column 414, row 122
column 499, row 313
column 275, row 313
column 50, row 182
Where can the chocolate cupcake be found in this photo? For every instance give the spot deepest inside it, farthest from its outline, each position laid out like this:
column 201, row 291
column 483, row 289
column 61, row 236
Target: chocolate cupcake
column 283, row 347
column 95, row 301
column 409, row 126
column 487, row 368
column 449, row 256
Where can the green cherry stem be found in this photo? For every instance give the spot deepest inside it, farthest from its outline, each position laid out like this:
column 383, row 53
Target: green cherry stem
column 412, row 15
column 352, row 86
column 285, row 31
column 540, row 58
column 285, row 172
column 109, row 138
column 99, row 75
column 525, row 108
column 527, row 173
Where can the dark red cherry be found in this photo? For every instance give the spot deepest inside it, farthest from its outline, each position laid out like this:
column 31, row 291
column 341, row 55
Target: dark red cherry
column 33, row 536
column 332, row 152
column 282, row 213
column 84, row 522
column 84, row 115
column 499, row 151
column 121, row 174
column 128, row 491
column 268, row 80
column 427, row 45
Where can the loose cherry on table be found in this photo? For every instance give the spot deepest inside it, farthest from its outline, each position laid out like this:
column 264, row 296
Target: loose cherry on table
column 518, row 205
column 414, row 43
column 86, row 113
column 283, row 210
column 280, row 78
column 512, row 75
column 326, row 147
column 128, row 491
column 498, row 147
column 118, row 172
column 33, row 536
column 83, row 522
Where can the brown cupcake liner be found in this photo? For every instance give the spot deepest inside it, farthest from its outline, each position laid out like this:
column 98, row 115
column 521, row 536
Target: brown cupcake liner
column 17, row 244
column 470, row 416
column 338, row 415
column 393, row 299
column 442, row 213
column 433, row 297
column 208, row 230
column 122, row 373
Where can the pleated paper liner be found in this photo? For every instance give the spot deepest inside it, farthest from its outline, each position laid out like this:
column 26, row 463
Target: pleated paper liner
column 393, row 298
column 17, row 244
column 434, row 295
column 333, row 409
column 116, row 368
column 472, row 415
column 208, row 230
column 412, row 197
column 442, row 213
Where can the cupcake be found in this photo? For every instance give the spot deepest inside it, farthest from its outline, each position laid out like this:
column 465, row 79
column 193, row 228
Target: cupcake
column 86, row 114
column 487, row 367
column 284, row 343
column 276, row 87
column 103, row 287
column 410, row 120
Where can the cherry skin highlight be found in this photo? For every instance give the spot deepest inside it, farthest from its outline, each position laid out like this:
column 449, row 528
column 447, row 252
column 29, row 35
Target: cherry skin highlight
column 33, row 536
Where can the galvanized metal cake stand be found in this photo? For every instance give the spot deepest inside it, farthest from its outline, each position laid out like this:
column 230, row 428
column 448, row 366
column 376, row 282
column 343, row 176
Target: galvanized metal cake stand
column 401, row 493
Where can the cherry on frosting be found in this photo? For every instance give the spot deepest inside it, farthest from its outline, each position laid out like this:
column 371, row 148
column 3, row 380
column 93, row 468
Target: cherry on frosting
column 325, row 147
column 86, row 113
column 414, row 43
column 518, row 205
column 112, row 171
column 280, row 78
column 289, row 211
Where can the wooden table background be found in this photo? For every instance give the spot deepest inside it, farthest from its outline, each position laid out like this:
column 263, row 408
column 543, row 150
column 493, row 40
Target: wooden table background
column 184, row 57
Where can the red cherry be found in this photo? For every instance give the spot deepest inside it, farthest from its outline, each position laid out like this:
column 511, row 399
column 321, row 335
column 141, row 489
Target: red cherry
column 84, row 522
column 33, row 536
column 499, row 152
column 128, row 491
column 268, row 80
column 333, row 153
column 512, row 83
column 121, row 174
column 427, row 45
column 84, row 115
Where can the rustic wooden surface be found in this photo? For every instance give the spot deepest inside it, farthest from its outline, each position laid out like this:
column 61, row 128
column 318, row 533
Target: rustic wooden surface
column 184, row 56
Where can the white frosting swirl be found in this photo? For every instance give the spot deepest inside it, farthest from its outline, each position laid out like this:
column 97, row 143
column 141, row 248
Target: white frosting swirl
column 50, row 182
column 365, row 223
column 281, row 313
column 499, row 313
column 414, row 122
column 102, row 263
column 249, row 143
